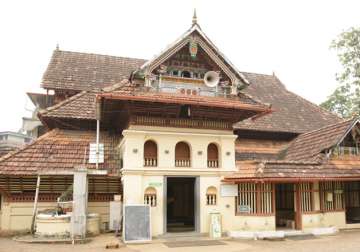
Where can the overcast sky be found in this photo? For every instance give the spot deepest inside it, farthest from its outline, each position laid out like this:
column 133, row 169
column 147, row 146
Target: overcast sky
column 291, row 38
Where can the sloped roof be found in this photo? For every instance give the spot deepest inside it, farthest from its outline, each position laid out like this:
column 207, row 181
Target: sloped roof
column 81, row 71
column 79, row 106
column 293, row 171
column 59, row 151
column 292, row 113
column 309, row 145
column 86, row 71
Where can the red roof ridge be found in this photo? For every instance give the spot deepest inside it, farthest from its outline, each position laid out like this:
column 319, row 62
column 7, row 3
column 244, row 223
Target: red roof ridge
column 9, row 155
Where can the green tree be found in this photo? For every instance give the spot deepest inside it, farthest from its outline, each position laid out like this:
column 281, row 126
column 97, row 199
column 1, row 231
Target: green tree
column 345, row 101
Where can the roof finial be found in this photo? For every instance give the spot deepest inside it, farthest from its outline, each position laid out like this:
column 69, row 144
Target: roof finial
column 57, row 47
column 194, row 19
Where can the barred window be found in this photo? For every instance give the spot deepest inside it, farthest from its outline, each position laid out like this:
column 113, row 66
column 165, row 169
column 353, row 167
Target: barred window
column 255, row 199
column 331, row 196
column 150, row 197
column 307, row 197
column 211, row 193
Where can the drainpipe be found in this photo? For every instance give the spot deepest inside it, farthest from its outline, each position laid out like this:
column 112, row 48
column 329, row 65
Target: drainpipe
column 98, row 116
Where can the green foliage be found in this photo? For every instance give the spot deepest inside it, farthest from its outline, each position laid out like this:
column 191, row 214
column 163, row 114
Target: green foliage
column 345, row 101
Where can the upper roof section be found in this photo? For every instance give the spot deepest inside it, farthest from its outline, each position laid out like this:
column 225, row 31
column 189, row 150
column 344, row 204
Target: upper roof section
column 84, row 71
column 310, row 146
column 291, row 113
column 179, row 71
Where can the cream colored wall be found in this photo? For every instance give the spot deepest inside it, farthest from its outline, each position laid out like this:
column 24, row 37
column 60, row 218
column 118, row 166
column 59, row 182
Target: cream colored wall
column 327, row 219
column 17, row 215
column 134, row 174
column 167, row 138
column 226, row 207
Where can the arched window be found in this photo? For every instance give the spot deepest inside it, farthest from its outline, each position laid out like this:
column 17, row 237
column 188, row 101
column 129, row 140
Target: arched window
column 150, row 196
column 212, row 156
column 211, row 196
column 182, row 155
column 186, row 74
column 150, row 153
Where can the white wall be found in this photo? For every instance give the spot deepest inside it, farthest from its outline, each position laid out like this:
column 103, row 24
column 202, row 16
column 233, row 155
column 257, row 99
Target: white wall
column 167, row 138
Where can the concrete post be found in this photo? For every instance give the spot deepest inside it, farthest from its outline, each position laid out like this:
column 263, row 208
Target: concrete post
column 80, row 198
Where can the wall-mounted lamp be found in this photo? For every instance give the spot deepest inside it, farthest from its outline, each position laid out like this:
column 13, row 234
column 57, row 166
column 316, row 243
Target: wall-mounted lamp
column 200, row 152
column 228, row 153
column 166, row 151
column 135, row 151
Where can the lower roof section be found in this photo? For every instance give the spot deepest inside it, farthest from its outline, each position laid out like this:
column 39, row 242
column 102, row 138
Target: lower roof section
column 59, row 151
column 290, row 171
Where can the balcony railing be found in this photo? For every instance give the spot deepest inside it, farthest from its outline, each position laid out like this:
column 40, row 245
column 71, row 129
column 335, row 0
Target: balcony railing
column 150, row 162
column 213, row 163
column 346, row 151
column 180, row 122
column 182, row 162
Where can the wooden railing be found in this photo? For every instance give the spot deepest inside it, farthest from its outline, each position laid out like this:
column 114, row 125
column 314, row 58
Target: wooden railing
column 213, row 163
column 150, row 161
column 346, row 151
column 180, row 123
column 182, row 162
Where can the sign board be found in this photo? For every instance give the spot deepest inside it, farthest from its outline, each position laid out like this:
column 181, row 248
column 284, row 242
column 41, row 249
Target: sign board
column 228, row 190
column 92, row 153
column 155, row 184
column 244, row 209
column 137, row 225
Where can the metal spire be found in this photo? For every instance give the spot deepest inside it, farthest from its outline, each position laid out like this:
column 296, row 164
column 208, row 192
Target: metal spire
column 57, row 46
column 194, row 19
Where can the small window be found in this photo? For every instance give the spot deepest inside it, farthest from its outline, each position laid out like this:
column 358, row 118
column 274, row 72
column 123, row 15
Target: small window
column 195, row 75
column 212, row 156
column 182, row 155
column 211, row 193
column 150, row 197
column 175, row 73
column 150, row 153
column 186, row 74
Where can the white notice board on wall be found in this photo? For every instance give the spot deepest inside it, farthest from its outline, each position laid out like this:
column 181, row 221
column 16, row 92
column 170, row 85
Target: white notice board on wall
column 92, row 153
column 228, row 190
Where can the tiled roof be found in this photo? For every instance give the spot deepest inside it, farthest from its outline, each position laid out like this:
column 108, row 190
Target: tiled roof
column 85, row 71
column 293, row 171
column 82, row 71
column 79, row 106
column 59, row 151
column 292, row 113
column 309, row 145
column 6, row 149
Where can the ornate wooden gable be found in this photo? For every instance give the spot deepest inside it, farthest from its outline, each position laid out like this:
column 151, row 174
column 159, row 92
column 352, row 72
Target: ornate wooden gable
column 187, row 61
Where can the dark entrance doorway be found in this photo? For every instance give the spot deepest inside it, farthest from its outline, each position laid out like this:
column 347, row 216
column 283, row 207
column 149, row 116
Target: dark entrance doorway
column 352, row 202
column 285, row 206
column 180, row 210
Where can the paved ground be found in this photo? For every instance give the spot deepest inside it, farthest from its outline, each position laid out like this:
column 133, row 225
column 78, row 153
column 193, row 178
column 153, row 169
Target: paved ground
column 348, row 241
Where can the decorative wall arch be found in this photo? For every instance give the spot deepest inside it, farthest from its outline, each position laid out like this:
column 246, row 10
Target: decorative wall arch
column 150, row 153
column 213, row 155
column 150, row 196
column 182, row 154
column 211, row 196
